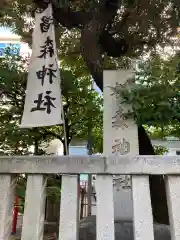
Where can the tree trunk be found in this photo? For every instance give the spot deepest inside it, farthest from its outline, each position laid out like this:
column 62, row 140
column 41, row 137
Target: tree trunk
column 52, row 210
column 36, row 147
column 157, row 184
column 65, row 151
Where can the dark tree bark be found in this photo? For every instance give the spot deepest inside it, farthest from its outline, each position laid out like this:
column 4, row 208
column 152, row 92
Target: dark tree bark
column 52, row 210
column 97, row 39
column 157, row 184
column 36, row 147
column 68, row 134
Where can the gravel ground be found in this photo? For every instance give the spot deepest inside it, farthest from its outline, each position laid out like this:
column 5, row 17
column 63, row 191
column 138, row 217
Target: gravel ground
column 123, row 230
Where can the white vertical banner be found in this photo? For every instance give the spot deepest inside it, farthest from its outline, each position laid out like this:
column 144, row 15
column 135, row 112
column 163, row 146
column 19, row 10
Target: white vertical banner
column 43, row 103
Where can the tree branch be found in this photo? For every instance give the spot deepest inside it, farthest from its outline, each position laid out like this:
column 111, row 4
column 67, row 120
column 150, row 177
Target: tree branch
column 66, row 17
column 91, row 34
column 70, row 19
column 113, row 47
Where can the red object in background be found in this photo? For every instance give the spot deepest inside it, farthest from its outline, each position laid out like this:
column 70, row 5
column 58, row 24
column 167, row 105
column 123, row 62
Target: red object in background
column 15, row 215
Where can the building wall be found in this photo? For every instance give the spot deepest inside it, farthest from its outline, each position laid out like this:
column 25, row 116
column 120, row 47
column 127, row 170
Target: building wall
column 9, row 39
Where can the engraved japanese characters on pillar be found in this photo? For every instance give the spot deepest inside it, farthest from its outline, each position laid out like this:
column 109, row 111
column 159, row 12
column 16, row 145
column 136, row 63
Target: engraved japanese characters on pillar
column 118, row 118
column 120, row 133
column 121, row 146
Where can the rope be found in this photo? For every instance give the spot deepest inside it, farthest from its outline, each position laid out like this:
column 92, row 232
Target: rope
column 64, row 129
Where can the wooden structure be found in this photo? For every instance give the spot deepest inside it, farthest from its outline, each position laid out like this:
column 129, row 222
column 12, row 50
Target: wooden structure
column 139, row 167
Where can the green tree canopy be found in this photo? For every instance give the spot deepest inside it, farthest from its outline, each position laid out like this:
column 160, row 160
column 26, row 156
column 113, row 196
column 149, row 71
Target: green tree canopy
column 155, row 95
column 118, row 28
column 79, row 101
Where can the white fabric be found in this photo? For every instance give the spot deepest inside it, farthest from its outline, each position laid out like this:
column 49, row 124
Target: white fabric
column 34, row 85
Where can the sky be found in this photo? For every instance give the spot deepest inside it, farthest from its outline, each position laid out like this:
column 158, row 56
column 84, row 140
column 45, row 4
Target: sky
column 4, row 30
column 97, row 89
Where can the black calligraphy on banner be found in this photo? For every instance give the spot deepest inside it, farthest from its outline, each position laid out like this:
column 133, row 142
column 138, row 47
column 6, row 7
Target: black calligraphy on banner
column 47, row 48
column 41, row 74
column 44, row 103
column 45, row 23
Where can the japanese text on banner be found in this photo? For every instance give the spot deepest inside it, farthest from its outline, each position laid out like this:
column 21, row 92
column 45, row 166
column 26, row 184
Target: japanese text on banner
column 43, row 94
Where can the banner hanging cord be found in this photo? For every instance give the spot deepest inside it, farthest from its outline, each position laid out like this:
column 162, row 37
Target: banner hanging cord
column 64, row 129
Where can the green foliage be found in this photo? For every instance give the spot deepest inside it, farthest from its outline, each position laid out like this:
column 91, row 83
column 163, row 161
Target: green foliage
column 155, row 95
column 157, row 133
column 81, row 104
column 12, row 85
column 143, row 25
column 97, row 140
column 160, row 150
column 53, row 189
